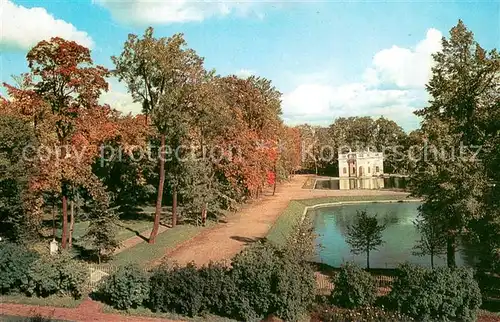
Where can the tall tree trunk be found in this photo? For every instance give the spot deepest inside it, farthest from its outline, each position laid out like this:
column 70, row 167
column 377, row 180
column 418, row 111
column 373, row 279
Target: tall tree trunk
column 156, row 224
column 432, row 260
column 204, row 214
column 450, row 251
column 367, row 259
column 54, row 221
column 64, row 220
column 174, row 206
column 71, row 223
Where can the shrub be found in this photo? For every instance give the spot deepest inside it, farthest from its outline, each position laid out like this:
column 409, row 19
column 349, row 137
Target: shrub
column 254, row 272
column 364, row 314
column 445, row 294
column 38, row 318
column 295, row 290
column 15, row 261
column 271, row 281
column 263, row 280
column 128, row 287
column 177, row 289
column 55, row 274
column 219, row 289
column 354, row 287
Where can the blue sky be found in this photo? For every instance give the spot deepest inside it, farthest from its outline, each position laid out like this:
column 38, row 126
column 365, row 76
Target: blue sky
column 329, row 59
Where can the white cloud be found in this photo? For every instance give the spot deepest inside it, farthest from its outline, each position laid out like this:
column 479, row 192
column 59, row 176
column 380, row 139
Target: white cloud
column 173, row 11
column 22, row 27
column 245, row 73
column 393, row 86
column 118, row 98
column 404, row 67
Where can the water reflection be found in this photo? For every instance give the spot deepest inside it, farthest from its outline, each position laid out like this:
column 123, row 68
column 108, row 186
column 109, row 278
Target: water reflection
column 400, row 235
column 391, row 182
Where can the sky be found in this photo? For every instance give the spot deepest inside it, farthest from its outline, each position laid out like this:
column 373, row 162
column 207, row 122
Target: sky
column 330, row 59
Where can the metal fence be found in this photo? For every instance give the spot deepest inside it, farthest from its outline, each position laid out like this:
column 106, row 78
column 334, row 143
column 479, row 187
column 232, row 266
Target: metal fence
column 97, row 272
column 325, row 285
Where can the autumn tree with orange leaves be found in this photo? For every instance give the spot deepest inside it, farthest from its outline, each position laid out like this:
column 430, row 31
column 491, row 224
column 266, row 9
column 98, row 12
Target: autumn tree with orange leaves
column 232, row 124
column 62, row 84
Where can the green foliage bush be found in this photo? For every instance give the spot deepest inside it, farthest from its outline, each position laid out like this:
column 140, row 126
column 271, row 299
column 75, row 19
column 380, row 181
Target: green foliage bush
column 219, row 289
column 363, row 314
column 55, row 275
column 15, row 261
column 192, row 291
column 261, row 281
column 441, row 294
column 254, row 272
column 354, row 287
column 273, row 281
column 177, row 289
column 295, row 290
column 127, row 288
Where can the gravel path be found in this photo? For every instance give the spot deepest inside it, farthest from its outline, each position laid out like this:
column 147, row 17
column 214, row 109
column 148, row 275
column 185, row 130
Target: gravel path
column 251, row 222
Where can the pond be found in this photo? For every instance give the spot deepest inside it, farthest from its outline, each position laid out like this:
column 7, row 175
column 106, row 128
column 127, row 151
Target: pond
column 399, row 236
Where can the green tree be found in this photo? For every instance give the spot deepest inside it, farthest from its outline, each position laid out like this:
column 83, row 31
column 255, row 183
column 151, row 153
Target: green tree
column 365, row 235
column 15, row 135
column 389, row 138
column 432, row 242
column 462, row 112
column 161, row 73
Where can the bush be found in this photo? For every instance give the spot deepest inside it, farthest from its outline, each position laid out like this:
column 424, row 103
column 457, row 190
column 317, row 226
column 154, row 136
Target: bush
column 127, row 288
column 38, row 318
column 271, row 281
column 295, row 291
column 445, row 294
column 353, row 287
column 219, row 289
column 254, row 272
column 55, row 275
column 263, row 280
column 177, row 289
column 15, row 261
column 364, row 314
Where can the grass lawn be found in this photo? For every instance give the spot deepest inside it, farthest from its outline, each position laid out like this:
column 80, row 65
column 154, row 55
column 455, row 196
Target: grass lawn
column 284, row 226
column 126, row 228
column 375, row 198
column 144, row 253
column 145, row 312
column 53, row 300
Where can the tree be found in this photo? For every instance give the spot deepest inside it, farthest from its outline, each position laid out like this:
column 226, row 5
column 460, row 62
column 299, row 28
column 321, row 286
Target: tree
column 463, row 107
column 252, row 131
column 160, row 74
column 313, row 139
column 432, row 241
column 15, row 171
column 365, row 235
column 389, row 139
column 64, row 83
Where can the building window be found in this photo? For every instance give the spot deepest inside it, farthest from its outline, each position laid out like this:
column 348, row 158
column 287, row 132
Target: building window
column 368, row 169
column 360, row 171
column 377, row 169
column 345, row 170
